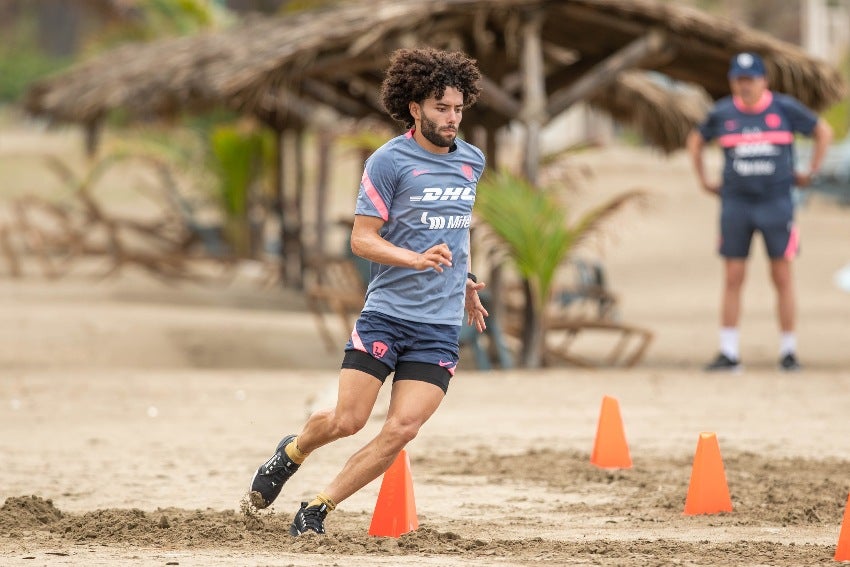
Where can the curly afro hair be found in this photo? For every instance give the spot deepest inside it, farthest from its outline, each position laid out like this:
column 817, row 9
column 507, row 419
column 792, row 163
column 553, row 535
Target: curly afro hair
column 417, row 74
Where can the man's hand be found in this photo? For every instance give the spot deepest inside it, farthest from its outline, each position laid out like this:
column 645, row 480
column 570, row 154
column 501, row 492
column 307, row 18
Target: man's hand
column 713, row 188
column 802, row 179
column 435, row 257
column 475, row 312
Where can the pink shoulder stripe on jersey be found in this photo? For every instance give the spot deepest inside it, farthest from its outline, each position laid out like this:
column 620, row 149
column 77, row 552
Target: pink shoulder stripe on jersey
column 409, row 133
column 374, row 196
column 356, row 341
column 769, row 137
column 757, row 108
column 793, row 244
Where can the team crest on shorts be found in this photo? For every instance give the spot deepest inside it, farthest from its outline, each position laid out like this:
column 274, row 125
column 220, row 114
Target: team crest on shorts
column 379, row 349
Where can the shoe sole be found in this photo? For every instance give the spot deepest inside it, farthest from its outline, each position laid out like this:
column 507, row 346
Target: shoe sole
column 256, row 499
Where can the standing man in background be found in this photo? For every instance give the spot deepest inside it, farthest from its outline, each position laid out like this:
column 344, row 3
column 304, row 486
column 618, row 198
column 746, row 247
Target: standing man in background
column 755, row 127
column 411, row 222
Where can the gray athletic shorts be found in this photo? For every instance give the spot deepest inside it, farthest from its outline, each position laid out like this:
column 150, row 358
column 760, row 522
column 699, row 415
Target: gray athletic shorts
column 773, row 218
column 381, row 344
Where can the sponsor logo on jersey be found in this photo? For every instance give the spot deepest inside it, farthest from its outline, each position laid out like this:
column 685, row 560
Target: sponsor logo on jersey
column 447, row 194
column 762, row 149
column 439, row 222
column 748, row 167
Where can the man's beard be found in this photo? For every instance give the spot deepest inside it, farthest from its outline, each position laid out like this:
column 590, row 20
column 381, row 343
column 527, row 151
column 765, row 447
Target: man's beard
column 429, row 131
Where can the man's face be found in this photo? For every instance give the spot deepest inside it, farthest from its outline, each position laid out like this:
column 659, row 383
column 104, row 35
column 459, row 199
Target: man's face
column 438, row 120
column 749, row 89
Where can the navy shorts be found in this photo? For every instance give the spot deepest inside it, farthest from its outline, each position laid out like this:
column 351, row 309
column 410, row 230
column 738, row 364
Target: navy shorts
column 381, row 344
column 773, row 218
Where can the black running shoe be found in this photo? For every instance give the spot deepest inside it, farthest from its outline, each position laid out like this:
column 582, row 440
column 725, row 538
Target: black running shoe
column 723, row 364
column 272, row 475
column 310, row 518
column 789, row 363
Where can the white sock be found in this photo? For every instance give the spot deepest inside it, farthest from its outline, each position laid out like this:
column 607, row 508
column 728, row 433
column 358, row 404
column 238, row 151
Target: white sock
column 787, row 343
column 729, row 342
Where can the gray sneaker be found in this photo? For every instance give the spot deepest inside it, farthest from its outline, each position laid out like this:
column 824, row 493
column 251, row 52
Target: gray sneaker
column 789, row 363
column 272, row 475
column 309, row 518
column 723, row 363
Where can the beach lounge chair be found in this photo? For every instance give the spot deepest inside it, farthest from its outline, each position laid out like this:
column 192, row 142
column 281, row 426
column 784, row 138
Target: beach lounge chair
column 589, row 310
column 583, row 325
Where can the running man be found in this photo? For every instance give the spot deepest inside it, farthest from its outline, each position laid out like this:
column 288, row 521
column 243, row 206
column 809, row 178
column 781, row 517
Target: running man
column 755, row 127
column 411, row 222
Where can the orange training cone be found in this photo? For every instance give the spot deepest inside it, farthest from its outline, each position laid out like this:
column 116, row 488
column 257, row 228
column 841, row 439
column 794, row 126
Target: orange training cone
column 610, row 450
column 842, row 552
column 708, row 492
column 395, row 510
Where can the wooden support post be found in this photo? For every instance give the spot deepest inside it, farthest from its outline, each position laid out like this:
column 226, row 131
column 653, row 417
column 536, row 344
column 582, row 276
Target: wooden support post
column 297, row 231
column 491, row 148
column 534, row 92
column 499, row 99
column 324, row 147
column 93, row 131
column 605, row 72
column 280, row 193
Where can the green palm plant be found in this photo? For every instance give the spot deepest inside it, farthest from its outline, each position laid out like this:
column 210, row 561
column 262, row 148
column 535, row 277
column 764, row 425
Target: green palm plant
column 535, row 230
column 236, row 157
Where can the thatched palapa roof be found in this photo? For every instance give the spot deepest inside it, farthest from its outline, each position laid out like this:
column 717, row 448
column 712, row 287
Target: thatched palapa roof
column 280, row 68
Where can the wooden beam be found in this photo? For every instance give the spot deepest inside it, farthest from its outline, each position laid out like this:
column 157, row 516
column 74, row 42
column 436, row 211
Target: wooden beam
column 342, row 63
column 369, row 91
column 280, row 101
column 334, row 97
column 498, row 99
column 575, row 13
column 605, row 72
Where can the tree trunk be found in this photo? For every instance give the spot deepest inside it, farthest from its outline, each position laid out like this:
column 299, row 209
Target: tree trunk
column 533, row 335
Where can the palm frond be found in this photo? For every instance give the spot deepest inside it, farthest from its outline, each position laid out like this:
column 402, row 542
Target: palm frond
column 533, row 225
column 592, row 221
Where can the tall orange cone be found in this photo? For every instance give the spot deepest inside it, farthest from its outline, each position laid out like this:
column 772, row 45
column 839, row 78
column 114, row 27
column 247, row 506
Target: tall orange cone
column 842, row 552
column 610, row 450
column 395, row 510
column 708, row 492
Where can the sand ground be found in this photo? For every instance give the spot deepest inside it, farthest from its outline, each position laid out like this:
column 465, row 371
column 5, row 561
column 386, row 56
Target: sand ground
column 132, row 416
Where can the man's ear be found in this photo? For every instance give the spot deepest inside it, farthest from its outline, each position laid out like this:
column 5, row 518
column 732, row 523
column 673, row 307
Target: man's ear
column 415, row 109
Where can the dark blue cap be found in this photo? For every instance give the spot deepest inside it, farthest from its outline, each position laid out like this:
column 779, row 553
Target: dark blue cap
column 746, row 65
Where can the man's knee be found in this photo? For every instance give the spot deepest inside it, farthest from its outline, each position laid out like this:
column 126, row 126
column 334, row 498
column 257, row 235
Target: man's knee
column 403, row 431
column 780, row 273
column 347, row 424
column 735, row 272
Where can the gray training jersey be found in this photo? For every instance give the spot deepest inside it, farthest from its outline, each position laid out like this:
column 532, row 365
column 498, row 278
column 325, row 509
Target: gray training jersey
column 424, row 199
